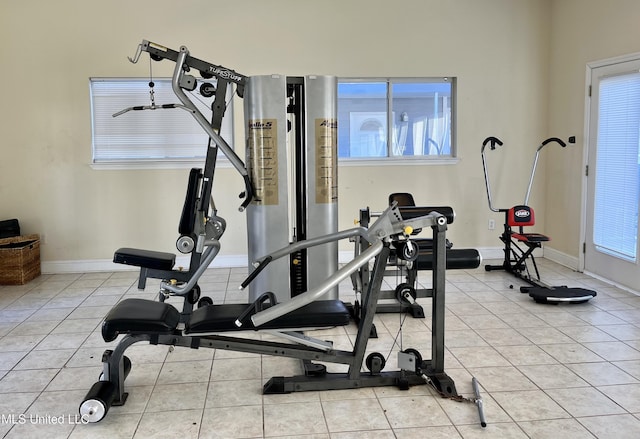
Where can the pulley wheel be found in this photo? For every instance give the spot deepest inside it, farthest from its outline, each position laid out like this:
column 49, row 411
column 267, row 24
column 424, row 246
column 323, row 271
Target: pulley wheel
column 375, row 362
column 404, row 291
column 207, row 90
column 409, row 251
column 194, row 295
column 205, row 301
column 416, row 355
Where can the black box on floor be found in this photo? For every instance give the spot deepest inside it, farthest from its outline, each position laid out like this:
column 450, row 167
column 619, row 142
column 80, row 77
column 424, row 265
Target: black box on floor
column 9, row 228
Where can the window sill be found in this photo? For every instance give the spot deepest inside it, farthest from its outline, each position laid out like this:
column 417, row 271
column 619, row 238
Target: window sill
column 404, row 161
column 132, row 165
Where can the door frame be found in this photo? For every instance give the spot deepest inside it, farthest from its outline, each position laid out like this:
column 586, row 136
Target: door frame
column 585, row 146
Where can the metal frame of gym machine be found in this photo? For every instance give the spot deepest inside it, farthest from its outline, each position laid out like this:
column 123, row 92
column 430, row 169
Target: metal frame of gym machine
column 390, row 226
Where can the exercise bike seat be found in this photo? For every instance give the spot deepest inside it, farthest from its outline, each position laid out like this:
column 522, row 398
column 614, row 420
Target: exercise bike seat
column 530, row 237
column 524, row 216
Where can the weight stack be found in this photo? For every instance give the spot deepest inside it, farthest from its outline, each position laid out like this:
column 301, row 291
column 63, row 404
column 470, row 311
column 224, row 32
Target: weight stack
column 292, row 160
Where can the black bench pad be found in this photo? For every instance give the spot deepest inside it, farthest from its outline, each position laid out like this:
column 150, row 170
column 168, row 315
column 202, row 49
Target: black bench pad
column 410, row 212
column 139, row 316
column 457, row 259
column 222, row 318
column 145, row 258
column 143, row 316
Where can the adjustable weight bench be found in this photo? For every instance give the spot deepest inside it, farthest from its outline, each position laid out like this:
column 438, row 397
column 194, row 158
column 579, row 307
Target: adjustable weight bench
column 141, row 316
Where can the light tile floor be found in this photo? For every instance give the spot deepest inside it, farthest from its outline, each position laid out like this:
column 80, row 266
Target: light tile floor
column 567, row 371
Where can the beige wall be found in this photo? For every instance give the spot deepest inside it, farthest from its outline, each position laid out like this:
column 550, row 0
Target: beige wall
column 582, row 31
column 500, row 50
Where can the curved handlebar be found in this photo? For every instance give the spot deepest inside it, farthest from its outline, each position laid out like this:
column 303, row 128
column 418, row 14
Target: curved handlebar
column 493, row 141
column 553, row 139
column 535, row 162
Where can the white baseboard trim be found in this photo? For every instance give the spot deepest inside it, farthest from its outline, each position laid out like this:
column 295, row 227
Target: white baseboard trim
column 613, row 283
column 96, row 265
column 561, row 258
column 233, row 261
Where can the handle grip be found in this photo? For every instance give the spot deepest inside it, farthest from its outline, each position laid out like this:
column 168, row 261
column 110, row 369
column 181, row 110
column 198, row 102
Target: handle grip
column 248, row 194
column 554, row 139
column 493, row 141
column 478, row 401
column 261, row 266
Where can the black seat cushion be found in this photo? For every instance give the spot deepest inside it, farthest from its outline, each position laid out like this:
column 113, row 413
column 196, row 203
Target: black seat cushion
column 530, row 237
column 145, row 258
column 139, row 316
column 222, row 318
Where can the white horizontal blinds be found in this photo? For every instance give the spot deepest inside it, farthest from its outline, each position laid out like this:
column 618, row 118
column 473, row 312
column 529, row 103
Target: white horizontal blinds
column 617, row 166
column 149, row 135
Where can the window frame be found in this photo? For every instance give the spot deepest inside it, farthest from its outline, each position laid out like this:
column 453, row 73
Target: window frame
column 167, row 162
column 392, row 160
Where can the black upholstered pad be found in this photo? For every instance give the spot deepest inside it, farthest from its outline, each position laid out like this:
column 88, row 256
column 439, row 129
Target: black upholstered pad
column 410, row 212
column 144, row 258
column 221, row 318
column 139, row 316
column 457, row 259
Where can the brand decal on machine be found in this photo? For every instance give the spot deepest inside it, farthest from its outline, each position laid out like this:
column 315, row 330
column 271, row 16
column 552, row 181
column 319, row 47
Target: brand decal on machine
column 329, row 123
column 259, row 125
column 224, row 73
column 522, row 213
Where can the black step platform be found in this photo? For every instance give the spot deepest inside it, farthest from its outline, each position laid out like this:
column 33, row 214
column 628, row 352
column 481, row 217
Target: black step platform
column 558, row 295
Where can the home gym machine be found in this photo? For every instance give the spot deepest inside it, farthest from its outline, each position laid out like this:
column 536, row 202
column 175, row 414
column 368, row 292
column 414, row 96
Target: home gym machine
column 213, row 326
column 159, row 323
column 519, row 245
column 200, row 227
column 291, row 130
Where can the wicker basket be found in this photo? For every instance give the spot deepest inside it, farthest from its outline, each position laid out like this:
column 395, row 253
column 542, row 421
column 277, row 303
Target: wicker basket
column 19, row 259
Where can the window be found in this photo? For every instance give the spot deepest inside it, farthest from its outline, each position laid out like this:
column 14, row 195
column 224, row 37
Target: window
column 396, row 118
column 150, row 138
column 617, row 187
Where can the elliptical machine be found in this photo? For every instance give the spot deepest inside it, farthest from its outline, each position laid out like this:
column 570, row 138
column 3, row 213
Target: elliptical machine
column 520, row 245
